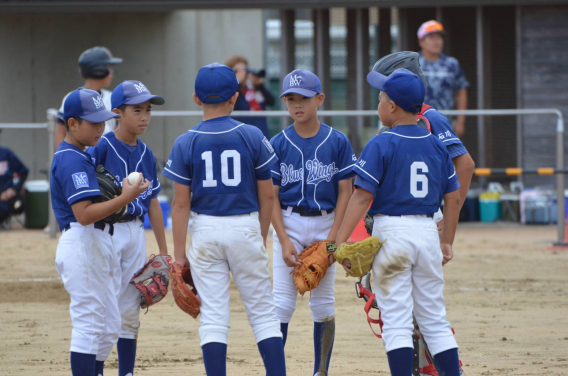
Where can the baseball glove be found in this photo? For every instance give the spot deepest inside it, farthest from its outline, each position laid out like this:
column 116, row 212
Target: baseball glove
column 183, row 289
column 152, row 280
column 361, row 255
column 315, row 261
column 109, row 187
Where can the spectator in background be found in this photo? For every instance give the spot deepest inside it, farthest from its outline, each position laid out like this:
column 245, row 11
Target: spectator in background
column 253, row 95
column 447, row 84
column 13, row 175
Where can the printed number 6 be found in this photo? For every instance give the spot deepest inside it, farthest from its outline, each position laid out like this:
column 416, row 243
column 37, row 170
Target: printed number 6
column 207, row 156
column 416, row 178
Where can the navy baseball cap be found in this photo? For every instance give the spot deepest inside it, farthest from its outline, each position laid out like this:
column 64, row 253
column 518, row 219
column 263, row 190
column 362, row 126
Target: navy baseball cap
column 132, row 93
column 405, row 88
column 215, row 80
column 88, row 105
column 301, row 81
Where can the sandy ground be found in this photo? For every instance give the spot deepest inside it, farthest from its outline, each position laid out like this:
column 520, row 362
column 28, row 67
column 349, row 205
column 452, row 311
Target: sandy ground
column 506, row 294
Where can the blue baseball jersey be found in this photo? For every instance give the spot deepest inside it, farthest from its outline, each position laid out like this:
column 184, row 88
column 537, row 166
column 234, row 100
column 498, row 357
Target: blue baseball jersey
column 221, row 160
column 308, row 169
column 72, row 179
column 122, row 159
column 408, row 170
column 442, row 129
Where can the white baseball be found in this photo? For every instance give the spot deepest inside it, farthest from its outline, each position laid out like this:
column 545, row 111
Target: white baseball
column 133, row 177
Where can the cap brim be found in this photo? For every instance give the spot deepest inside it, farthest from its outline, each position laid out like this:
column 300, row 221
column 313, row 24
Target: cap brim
column 304, row 92
column 376, row 80
column 100, row 116
column 114, row 60
column 154, row 99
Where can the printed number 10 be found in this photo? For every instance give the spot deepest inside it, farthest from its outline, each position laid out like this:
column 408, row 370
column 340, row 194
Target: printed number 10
column 416, row 178
column 207, row 156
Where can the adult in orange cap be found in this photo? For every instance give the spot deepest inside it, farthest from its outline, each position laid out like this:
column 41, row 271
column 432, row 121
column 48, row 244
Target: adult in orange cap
column 447, row 84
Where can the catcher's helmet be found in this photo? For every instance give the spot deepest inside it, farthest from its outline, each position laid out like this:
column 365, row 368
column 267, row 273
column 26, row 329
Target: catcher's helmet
column 404, row 59
column 93, row 62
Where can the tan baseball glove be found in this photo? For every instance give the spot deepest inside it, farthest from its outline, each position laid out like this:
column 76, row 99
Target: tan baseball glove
column 183, row 289
column 361, row 255
column 315, row 261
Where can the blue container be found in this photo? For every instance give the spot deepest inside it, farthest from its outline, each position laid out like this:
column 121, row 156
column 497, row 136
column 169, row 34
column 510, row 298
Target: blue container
column 166, row 210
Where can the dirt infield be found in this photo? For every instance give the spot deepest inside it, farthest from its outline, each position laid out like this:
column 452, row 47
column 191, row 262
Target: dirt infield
column 506, row 294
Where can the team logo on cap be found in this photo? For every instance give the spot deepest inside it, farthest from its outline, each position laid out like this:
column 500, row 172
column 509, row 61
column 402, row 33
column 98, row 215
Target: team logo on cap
column 98, row 102
column 295, row 80
column 141, row 88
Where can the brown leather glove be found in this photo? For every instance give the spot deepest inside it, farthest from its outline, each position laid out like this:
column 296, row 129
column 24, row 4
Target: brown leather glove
column 183, row 289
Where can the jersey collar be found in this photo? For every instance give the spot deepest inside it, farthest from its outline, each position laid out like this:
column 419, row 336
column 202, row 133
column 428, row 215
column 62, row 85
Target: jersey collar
column 318, row 138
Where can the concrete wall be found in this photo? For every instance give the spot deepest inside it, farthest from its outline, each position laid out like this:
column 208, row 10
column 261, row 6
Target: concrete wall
column 38, row 64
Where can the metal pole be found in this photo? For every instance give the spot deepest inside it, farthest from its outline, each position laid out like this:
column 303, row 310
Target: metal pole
column 360, row 73
column 519, row 84
column 560, row 177
column 480, row 89
column 52, row 123
column 287, row 51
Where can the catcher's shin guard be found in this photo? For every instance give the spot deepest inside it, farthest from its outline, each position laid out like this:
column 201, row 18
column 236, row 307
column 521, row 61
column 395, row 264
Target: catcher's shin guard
column 424, row 363
column 324, row 335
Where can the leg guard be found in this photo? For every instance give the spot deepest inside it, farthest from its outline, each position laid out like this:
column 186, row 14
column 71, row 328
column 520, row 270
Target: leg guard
column 324, row 335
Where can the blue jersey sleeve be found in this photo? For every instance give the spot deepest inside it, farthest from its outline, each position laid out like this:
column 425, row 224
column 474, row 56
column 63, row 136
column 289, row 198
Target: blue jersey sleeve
column 78, row 180
column 442, row 129
column 453, row 183
column 347, row 159
column 178, row 168
column 369, row 168
column 156, row 187
column 265, row 157
column 275, row 166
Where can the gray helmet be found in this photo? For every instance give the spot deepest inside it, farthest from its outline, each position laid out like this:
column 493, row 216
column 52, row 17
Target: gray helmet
column 404, row 59
column 93, row 62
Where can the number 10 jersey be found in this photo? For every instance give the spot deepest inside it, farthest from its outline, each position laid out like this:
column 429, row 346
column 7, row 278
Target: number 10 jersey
column 408, row 170
column 221, row 160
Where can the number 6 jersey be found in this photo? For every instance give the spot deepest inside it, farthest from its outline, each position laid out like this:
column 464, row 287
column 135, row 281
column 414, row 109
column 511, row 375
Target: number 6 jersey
column 221, row 159
column 408, row 170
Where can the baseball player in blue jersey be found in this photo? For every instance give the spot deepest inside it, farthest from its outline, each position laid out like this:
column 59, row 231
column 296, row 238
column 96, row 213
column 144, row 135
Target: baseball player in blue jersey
column 123, row 153
column 313, row 184
column 408, row 172
column 85, row 257
column 221, row 170
column 433, row 120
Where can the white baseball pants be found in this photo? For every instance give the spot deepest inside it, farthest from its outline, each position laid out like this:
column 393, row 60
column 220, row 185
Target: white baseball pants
column 303, row 232
column 130, row 246
column 231, row 244
column 85, row 260
column 409, row 278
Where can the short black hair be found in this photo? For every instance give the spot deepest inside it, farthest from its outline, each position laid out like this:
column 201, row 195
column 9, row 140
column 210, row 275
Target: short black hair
column 79, row 120
column 122, row 108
